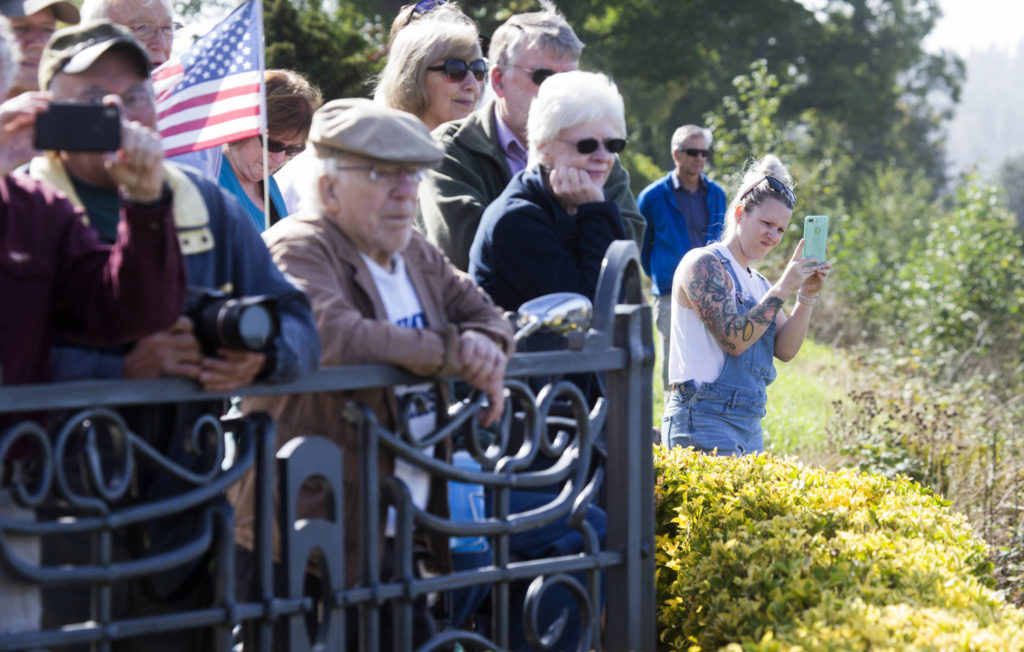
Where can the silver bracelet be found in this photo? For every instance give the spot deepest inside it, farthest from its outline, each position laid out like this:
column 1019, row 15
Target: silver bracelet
column 808, row 300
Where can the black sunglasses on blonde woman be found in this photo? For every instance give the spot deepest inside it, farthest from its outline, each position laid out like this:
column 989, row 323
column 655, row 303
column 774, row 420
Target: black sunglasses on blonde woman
column 457, row 69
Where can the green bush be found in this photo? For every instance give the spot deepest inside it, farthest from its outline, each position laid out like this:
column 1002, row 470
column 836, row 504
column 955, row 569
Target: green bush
column 761, row 553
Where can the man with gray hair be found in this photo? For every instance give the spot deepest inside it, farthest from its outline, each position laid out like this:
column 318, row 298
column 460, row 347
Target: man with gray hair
column 484, row 150
column 150, row 21
column 684, row 210
column 381, row 294
column 33, row 23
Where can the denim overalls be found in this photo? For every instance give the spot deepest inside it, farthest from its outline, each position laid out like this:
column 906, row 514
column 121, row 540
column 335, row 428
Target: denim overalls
column 725, row 414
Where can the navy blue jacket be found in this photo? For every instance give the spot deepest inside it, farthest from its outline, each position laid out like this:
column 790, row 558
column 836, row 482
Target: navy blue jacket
column 237, row 263
column 665, row 238
column 527, row 245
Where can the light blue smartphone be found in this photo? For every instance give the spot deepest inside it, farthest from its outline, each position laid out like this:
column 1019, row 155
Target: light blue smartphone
column 815, row 237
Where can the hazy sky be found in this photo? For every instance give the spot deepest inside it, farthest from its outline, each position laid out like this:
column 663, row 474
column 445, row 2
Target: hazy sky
column 979, row 24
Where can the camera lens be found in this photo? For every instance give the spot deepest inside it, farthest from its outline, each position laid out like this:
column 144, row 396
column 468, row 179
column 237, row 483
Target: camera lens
column 255, row 327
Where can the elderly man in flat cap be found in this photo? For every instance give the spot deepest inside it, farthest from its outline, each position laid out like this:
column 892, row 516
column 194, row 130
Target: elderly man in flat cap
column 33, row 23
column 380, row 294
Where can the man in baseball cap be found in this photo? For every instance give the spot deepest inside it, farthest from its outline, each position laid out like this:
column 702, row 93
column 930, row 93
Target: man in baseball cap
column 381, row 294
column 33, row 22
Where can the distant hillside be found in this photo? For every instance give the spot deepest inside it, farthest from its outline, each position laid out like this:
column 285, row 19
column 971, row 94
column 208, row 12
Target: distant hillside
column 989, row 123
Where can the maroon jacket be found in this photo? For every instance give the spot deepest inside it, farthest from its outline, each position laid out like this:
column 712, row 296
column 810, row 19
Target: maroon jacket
column 55, row 276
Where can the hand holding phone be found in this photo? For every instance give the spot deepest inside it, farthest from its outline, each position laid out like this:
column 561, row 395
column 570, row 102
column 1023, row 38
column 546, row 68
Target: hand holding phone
column 78, row 127
column 816, row 237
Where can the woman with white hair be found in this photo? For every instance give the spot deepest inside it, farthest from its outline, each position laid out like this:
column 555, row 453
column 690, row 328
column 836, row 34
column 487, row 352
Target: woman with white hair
column 549, row 230
column 728, row 323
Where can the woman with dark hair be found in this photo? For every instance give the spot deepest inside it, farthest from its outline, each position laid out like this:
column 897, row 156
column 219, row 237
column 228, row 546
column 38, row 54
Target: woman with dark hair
column 728, row 323
column 238, row 166
column 291, row 101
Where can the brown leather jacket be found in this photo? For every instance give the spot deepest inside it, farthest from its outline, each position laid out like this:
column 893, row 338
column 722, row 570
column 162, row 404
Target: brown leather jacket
column 353, row 328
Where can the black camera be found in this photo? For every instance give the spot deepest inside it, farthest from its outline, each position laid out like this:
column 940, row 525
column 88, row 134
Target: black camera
column 222, row 322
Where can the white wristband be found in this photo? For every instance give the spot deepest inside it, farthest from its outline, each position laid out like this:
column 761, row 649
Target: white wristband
column 808, row 300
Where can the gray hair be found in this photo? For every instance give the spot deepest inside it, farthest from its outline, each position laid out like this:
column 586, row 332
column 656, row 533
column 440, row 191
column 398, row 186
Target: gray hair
column 402, row 83
column 96, row 9
column 546, row 30
column 10, row 57
column 569, row 99
column 313, row 166
column 684, row 132
column 753, row 190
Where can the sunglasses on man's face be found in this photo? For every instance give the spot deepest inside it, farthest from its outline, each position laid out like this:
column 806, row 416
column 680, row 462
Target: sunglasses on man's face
column 456, row 69
column 276, row 147
column 590, row 145
column 538, row 75
column 694, row 152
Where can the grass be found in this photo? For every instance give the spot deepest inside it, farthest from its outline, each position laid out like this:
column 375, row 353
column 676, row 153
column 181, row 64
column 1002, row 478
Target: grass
column 799, row 401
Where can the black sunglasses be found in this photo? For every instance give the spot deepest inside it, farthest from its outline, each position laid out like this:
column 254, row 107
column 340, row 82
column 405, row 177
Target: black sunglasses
column 422, row 7
column 694, row 152
column 538, row 75
column 276, row 147
column 776, row 186
column 456, row 69
column 590, row 145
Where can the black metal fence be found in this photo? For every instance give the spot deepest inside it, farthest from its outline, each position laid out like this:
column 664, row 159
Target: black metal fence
column 79, row 487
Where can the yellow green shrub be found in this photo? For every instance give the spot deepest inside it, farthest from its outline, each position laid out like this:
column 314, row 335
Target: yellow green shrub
column 762, row 553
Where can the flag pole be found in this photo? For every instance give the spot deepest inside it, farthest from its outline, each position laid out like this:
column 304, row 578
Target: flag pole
column 264, row 130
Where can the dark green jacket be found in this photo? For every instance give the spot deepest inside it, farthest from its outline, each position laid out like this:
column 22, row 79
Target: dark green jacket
column 472, row 175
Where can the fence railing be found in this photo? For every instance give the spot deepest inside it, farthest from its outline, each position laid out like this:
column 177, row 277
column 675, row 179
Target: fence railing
column 82, row 489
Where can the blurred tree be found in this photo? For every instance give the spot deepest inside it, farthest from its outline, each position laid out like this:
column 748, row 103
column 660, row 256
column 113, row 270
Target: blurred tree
column 1011, row 178
column 333, row 50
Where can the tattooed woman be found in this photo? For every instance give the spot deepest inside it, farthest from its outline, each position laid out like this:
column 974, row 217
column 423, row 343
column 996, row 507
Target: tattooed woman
column 728, row 322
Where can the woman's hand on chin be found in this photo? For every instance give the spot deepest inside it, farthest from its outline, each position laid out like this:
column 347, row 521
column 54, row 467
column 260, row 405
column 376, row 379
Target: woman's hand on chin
column 574, row 186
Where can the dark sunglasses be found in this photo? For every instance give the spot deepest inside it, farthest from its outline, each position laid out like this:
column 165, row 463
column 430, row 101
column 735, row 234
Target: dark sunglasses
column 776, row 186
column 538, row 75
column 422, row 7
column 276, row 147
column 456, row 69
column 694, row 152
column 590, row 145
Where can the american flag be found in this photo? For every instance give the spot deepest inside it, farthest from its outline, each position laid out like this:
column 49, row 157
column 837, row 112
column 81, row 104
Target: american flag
column 213, row 93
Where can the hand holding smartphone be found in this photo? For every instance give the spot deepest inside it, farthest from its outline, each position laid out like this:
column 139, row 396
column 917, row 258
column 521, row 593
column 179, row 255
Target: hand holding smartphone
column 78, row 127
column 815, row 237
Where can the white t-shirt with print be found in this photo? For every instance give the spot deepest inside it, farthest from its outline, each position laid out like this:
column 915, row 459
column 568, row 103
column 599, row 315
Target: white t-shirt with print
column 404, row 309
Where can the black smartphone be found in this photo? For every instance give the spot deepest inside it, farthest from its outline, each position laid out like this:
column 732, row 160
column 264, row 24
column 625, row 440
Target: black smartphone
column 78, row 127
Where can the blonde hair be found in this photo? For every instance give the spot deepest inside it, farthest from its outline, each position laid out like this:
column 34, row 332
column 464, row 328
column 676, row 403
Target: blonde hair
column 402, row 84
column 753, row 189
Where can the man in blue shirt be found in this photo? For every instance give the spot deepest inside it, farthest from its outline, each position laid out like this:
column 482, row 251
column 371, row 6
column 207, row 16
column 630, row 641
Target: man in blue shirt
column 684, row 209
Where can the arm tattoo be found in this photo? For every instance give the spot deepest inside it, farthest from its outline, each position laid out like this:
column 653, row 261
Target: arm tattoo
column 710, row 290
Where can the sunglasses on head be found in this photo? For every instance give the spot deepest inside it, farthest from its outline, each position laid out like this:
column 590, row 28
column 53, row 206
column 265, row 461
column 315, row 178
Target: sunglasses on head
column 694, row 152
column 775, row 186
column 538, row 75
column 590, row 145
column 276, row 147
column 456, row 69
column 422, row 7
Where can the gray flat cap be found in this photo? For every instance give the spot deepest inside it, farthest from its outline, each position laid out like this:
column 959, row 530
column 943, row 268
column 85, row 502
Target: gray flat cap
column 361, row 127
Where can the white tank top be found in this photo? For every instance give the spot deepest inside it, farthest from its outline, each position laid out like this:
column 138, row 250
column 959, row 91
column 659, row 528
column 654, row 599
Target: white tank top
column 694, row 353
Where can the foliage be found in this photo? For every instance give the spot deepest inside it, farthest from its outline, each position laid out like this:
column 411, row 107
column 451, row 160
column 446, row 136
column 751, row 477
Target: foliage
column 335, row 52
column 1011, row 179
column 800, row 401
column 760, row 553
